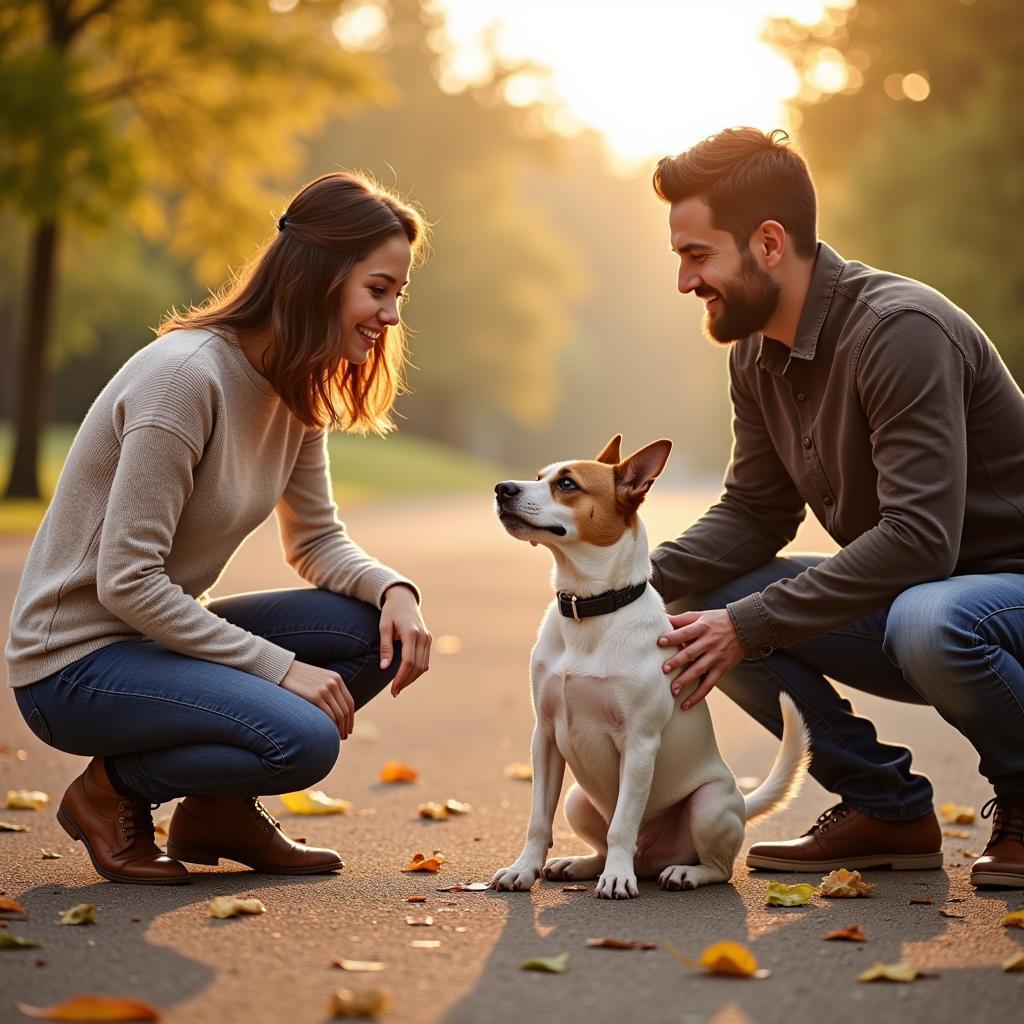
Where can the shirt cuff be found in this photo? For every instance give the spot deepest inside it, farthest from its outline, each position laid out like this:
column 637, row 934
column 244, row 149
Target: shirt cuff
column 754, row 626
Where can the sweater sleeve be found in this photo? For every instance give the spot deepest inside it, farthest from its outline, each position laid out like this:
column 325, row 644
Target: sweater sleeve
column 914, row 386
column 151, row 484
column 757, row 515
column 315, row 542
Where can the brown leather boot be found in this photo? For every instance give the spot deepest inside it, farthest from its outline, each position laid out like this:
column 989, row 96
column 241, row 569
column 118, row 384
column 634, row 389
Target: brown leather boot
column 117, row 831
column 1002, row 863
column 205, row 828
column 845, row 838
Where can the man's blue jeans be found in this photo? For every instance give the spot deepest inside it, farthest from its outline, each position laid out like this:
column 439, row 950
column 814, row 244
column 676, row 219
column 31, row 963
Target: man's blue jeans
column 176, row 725
column 956, row 644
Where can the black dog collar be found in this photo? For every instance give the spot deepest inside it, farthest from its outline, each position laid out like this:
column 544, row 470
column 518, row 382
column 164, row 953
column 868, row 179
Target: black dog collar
column 574, row 607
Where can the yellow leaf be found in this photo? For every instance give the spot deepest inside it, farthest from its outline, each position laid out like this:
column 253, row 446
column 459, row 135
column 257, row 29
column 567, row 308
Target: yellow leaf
column 83, row 913
column 395, row 771
column 844, row 884
column 781, row 895
column 1015, row 962
column 26, row 799
column 11, row 908
column 549, row 964
column 367, row 1003
column 889, row 972
column 956, row 814
column 8, row 941
column 314, row 802
column 51, row 855
column 421, row 863
column 519, row 770
column 729, row 958
column 1015, row 919
column 360, row 966
column 7, row 826
column 93, row 1008
column 232, row 906
column 456, row 807
column 433, row 811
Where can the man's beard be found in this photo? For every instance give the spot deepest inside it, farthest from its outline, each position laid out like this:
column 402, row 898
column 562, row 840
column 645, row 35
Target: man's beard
column 744, row 309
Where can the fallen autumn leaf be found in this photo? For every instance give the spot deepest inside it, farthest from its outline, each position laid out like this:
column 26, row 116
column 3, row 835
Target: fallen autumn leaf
column 314, row 802
column 778, row 894
column 421, row 863
column 432, row 811
column 956, row 814
column 728, row 958
column 519, row 770
column 89, row 1007
column 7, row 826
column 843, row 884
column 12, row 909
column 547, row 964
column 367, row 1003
column 395, row 771
column 893, row 972
column 26, row 799
column 16, row 942
column 851, row 933
column 1015, row 919
column 360, row 966
column 232, row 906
column 83, row 913
column 607, row 943
column 1014, row 963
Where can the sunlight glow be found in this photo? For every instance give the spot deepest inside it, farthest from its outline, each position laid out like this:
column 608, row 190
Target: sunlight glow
column 653, row 76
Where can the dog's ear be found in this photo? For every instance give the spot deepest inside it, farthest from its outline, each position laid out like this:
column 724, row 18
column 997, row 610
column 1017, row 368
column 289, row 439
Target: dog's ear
column 635, row 474
column 610, row 453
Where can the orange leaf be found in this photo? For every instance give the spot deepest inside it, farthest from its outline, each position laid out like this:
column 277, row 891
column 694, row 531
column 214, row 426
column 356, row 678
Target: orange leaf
column 1015, row 919
column 421, row 863
column 12, row 909
column 851, row 933
column 89, row 1007
column 395, row 771
column 415, row 899
column 729, row 958
column 620, row 944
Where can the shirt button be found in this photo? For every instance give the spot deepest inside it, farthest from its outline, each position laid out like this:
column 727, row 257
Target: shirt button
column 800, row 396
column 827, row 500
column 766, row 649
column 807, row 442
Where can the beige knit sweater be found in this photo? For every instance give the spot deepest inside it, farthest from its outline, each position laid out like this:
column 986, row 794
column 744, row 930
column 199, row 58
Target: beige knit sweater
column 183, row 454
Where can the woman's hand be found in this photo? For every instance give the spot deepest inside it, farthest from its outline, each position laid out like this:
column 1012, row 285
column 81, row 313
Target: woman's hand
column 325, row 689
column 400, row 619
column 709, row 648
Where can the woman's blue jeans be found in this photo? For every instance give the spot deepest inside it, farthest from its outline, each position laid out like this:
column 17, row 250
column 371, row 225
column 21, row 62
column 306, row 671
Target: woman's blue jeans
column 956, row 644
column 176, row 725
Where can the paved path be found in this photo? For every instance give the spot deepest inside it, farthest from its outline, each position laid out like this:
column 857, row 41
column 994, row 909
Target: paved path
column 459, row 726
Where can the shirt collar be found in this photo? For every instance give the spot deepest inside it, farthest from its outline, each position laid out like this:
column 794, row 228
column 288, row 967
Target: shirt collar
column 828, row 267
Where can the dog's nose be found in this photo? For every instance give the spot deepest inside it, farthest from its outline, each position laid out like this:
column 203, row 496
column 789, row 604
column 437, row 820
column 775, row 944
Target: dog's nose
column 505, row 490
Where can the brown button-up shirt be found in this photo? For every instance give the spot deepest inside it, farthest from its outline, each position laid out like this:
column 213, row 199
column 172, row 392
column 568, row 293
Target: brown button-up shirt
column 892, row 417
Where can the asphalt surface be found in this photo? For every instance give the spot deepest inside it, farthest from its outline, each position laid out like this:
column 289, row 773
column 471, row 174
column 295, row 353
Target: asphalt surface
column 459, row 726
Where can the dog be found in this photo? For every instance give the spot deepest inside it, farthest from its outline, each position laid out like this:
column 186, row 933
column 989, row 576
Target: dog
column 652, row 796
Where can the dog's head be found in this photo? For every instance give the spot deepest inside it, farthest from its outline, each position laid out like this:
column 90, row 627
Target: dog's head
column 593, row 502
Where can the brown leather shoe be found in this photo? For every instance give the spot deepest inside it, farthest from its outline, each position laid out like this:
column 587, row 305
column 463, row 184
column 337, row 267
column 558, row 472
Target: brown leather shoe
column 1002, row 863
column 205, row 828
column 117, row 831
column 845, row 838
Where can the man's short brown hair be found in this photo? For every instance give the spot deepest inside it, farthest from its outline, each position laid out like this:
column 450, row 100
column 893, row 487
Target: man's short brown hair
column 746, row 176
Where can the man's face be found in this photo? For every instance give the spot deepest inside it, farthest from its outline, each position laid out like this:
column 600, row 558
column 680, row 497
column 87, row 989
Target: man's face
column 739, row 297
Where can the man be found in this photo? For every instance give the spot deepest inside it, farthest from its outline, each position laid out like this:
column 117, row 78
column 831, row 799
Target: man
column 878, row 403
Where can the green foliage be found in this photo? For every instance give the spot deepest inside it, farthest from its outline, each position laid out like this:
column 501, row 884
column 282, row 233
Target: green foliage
column 930, row 189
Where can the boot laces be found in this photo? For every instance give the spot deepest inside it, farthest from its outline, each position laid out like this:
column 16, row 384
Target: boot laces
column 830, row 817
column 269, row 820
column 1007, row 813
column 136, row 819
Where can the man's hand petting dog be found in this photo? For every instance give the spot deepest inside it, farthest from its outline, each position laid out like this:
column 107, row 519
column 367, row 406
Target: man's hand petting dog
column 709, row 647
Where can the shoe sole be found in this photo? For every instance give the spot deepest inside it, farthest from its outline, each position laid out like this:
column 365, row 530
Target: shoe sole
column 897, row 862
column 68, row 823
column 995, row 880
column 192, row 855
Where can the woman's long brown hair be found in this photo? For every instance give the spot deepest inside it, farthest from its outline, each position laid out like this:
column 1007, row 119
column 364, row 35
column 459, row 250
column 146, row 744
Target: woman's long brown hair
column 293, row 289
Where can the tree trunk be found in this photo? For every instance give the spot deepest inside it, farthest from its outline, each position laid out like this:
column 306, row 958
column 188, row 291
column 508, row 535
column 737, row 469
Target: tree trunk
column 30, row 382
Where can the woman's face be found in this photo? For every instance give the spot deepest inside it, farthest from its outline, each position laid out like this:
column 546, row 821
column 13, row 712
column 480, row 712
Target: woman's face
column 370, row 297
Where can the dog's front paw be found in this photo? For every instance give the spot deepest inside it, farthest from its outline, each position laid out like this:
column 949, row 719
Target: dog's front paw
column 617, row 885
column 515, row 878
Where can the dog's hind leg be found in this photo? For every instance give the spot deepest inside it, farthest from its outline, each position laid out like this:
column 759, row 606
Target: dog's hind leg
column 716, row 827
column 586, row 821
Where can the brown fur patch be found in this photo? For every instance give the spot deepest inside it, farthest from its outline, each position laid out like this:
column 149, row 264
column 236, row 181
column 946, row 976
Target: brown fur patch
column 601, row 516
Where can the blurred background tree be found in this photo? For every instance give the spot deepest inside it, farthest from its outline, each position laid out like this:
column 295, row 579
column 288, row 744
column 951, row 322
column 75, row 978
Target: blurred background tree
column 911, row 118
column 179, row 116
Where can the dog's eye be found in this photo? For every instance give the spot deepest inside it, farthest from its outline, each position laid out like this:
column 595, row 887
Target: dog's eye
column 566, row 484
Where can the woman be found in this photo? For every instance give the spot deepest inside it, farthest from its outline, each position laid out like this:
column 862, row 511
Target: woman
column 115, row 651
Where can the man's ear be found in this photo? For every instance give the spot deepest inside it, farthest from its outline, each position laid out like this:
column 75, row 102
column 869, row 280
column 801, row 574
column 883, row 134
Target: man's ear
column 635, row 474
column 610, row 453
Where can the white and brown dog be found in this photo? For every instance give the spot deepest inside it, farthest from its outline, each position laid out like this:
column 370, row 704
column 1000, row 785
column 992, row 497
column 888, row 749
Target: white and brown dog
column 653, row 796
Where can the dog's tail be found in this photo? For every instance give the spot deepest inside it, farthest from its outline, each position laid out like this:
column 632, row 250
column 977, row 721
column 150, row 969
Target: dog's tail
column 790, row 767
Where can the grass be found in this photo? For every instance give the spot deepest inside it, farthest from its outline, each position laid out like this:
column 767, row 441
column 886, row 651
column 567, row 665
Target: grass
column 362, row 469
